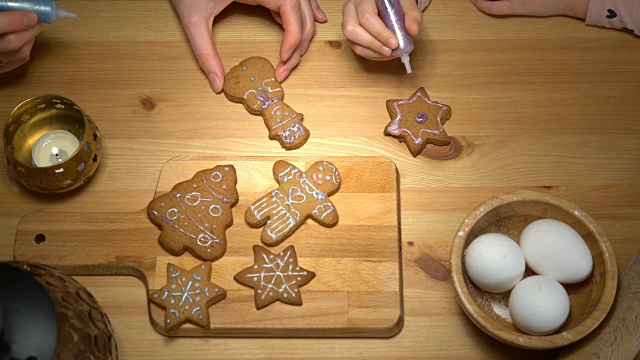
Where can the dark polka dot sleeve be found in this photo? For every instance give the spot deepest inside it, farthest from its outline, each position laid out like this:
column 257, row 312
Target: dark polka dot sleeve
column 615, row 14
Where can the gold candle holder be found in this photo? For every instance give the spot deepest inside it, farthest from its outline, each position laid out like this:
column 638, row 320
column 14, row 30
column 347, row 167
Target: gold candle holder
column 51, row 144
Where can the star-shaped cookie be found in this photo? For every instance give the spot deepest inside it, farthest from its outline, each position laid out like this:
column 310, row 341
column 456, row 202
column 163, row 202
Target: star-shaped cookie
column 187, row 296
column 275, row 277
column 418, row 121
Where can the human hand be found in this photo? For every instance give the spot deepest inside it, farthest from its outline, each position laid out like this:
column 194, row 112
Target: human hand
column 297, row 17
column 573, row 8
column 367, row 34
column 18, row 31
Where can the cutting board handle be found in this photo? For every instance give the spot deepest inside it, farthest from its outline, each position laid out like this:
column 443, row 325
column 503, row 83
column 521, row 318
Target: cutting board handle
column 75, row 242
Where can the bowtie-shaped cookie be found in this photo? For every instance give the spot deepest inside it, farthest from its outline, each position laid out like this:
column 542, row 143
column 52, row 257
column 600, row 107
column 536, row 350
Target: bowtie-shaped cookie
column 300, row 195
column 253, row 84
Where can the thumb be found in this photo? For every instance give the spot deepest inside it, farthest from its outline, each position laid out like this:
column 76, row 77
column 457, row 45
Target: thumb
column 493, row 7
column 199, row 34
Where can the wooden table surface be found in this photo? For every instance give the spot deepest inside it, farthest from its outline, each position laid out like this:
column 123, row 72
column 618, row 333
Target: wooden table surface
column 549, row 105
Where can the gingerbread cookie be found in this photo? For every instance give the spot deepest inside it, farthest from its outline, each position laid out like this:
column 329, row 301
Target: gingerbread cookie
column 195, row 214
column 418, row 121
column 275, row 277
column 187, row 296
column 253, row 84
column 300, row 195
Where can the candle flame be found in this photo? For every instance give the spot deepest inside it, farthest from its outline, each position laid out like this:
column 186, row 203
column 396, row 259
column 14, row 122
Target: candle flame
column 56, row 152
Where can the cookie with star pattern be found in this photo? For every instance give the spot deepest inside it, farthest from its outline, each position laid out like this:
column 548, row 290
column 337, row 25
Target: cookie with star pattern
column 253, row 84
column 196, row 213
column 275, row 277
column 187, row 296
column 418, row 121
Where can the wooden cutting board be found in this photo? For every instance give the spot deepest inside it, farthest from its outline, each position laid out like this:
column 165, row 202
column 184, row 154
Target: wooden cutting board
column 357, row 291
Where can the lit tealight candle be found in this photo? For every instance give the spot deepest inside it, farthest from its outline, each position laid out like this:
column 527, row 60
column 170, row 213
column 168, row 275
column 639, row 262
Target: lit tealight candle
column 53, row 148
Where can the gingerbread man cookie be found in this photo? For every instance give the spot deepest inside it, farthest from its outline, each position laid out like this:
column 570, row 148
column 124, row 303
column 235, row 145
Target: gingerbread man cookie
column 418, row 121
column 187, row 296
column 253, row 84
column 275, row 277
column 300, row 195
column 195, row 214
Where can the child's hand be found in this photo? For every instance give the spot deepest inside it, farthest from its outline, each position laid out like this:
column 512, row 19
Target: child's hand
column 18, row 31
column 297, row 17
column 573, row 8
column 366, row 32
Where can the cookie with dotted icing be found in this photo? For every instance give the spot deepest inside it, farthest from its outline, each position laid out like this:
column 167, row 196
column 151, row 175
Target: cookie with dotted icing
column 187, row 296
column 275, row 277
column 300, row 195
column 253, row 84
column 195, row 214
column 418, row 121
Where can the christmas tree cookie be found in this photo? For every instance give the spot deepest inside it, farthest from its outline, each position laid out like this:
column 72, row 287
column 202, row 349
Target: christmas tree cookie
column 195, row 214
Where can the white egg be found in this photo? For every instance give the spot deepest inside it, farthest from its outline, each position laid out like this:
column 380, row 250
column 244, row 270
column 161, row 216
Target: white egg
column 539, row 305
column 555, row 249
column 494, row 262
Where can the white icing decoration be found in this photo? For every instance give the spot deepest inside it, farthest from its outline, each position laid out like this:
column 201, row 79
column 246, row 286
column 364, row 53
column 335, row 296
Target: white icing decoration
column 264, row 100
column 281, row 208
column 275, row 275
column 293, row 132
column 323, row 210
column 182, row 297
column 215, row 210
column 215, row 176
column 203, row 237
column 172, row 214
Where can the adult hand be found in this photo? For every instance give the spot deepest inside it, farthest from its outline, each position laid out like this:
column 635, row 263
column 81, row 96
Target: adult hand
column 573, row 8
column 297, row 17
column 18, row 31
column 367, row 34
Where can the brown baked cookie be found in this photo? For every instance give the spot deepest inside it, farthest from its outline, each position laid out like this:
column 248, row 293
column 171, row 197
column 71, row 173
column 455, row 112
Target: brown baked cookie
column 300, row 195
column 275, row 277
column 418, row 121
column 253, row 84
column 187, row 296
column 195, row 214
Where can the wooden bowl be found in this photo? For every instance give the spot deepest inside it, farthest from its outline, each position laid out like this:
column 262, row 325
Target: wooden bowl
column 509, row 214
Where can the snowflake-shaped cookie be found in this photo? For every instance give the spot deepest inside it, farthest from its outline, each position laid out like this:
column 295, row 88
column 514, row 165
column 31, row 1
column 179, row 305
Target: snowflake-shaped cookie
column 187, row 296
column 275, row 277
column 418, row 121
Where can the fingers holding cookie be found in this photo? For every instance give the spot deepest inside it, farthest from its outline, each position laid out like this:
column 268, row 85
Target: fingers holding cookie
column 197, row 19
column 298, row 18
